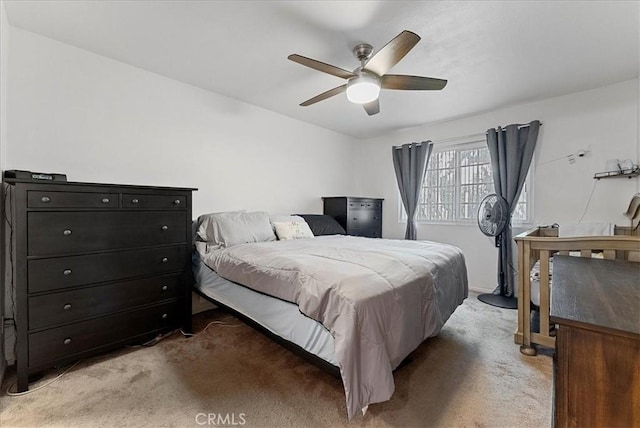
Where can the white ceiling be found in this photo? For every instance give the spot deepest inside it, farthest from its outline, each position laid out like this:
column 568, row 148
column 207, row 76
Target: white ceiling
column 494, row 53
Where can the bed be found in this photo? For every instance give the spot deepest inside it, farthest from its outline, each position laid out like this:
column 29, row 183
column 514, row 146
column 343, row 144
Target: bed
column 280, row 320
column 536, row 247
column 358, row 306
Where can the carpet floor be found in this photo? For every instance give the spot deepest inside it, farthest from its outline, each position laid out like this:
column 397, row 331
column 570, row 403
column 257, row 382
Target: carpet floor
column 470, row 375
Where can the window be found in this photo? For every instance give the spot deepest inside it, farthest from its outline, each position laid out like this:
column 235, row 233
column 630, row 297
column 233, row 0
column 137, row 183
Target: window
column 456, row 180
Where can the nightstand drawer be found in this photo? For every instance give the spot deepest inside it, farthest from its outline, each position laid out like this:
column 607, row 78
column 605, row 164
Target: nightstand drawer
column 364, row 204
column 153, row 201
column 64, row 272
column 53, row 233
column 364, row 218
column 49, row 345
column 39, row 199
column 74, row 305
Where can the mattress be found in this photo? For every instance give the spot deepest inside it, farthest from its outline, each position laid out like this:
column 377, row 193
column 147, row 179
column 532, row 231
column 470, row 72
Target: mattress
column 279, row 317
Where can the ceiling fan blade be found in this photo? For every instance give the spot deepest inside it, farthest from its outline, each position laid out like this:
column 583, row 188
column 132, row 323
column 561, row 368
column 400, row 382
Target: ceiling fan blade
column 321, row 66
column 401, row 81
column 325, row 95
column 373, row 107
column 392, row 53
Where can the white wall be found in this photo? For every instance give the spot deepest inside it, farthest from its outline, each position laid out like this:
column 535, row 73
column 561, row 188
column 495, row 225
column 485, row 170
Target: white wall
column 604, row 119
column 100, row 120
column 4, row 61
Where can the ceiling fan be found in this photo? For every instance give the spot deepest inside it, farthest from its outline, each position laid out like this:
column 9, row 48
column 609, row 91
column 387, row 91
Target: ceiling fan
column 364, row 83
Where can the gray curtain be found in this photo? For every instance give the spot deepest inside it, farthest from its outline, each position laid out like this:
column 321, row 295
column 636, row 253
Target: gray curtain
column 511, row 150
column 410, row 163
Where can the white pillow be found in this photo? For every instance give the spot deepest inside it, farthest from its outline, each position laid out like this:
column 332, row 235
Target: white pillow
column 292, row 230
column 233, row 228
column 207, row 224
column 279, row 218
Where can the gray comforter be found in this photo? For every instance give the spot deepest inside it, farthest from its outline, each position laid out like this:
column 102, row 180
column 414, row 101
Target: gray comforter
column 379, row 298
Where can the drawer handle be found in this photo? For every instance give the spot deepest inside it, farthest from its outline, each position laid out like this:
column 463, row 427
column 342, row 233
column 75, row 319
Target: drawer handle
column 67, row 306
column 165, row 288
column 164, row 227
column 135, row 200
column 67, row 341
column 66, row 232
column 67, row 272
column 164, row 316
column 45, row 199
column 105, row 200
column 165, row 259
column 355, row 219
column 177, row 202
column 375, row 218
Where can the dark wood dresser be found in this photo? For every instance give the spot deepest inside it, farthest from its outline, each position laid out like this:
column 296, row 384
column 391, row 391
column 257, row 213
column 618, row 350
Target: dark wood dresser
column 95, row 267
column 596, row 304
column 358, row 216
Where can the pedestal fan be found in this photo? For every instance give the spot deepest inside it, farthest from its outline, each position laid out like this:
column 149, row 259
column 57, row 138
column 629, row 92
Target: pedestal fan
column 493, row 218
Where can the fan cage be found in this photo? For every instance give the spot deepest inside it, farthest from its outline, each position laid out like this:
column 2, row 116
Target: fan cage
column 493, row 215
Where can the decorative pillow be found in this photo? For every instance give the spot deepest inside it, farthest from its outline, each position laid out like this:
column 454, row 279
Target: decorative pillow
column 292, row 230
column 323, row 224
column 233, row 228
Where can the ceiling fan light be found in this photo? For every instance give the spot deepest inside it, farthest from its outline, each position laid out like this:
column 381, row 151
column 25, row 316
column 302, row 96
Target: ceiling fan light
column 363, row 89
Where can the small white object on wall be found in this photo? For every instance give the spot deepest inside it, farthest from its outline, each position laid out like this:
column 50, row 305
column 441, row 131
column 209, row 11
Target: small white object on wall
column 626, row 166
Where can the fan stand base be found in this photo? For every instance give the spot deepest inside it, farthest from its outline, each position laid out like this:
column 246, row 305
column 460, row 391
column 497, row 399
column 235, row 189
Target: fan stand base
column 499, row 301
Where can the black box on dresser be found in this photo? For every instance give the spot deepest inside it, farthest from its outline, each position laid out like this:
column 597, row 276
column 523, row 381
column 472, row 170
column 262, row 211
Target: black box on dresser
column 95, row 267
column 358, row 216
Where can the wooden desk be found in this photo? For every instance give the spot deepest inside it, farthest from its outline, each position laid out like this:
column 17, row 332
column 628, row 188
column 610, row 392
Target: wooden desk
column 596, row 304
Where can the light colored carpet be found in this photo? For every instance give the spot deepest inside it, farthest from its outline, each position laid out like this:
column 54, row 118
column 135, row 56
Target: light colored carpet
column 472, row 374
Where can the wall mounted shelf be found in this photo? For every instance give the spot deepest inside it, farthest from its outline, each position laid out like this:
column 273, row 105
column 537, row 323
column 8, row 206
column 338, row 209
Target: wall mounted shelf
column 616, row 174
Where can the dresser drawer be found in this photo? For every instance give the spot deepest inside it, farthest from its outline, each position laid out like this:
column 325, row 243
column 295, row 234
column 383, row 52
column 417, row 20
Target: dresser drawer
column 74, row 305
column 39, row 199
column 64, row 341
column 361, row 218
column 77, row 232
column 63, row 272
column 132, row 200
column 364, row 204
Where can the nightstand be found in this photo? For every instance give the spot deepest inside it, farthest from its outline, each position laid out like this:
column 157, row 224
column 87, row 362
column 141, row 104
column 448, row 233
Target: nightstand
column 358, row 216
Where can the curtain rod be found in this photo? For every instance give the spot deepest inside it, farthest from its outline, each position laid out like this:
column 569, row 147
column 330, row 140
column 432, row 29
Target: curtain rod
column 462, row 138
column 467, row 137
column 417, row 144
column 520, row 125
